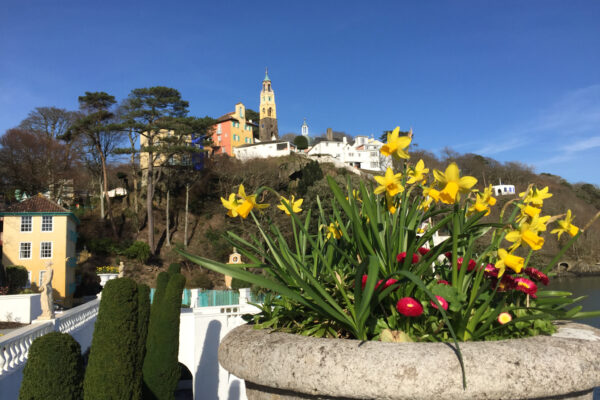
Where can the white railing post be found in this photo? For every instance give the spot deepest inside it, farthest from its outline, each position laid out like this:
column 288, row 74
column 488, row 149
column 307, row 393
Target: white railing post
column 244, row 295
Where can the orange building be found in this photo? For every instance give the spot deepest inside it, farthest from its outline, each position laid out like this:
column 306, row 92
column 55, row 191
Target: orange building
column 232, row 130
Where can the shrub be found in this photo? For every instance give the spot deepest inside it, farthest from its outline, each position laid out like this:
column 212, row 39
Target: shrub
column 237, row 284
column 142, row 334
column 161, row 368
column 200, row 280
column 17, row 277
column 174, row 268
column 139, row 251
column 311, row 173
column 54, row 369
column 111, row 370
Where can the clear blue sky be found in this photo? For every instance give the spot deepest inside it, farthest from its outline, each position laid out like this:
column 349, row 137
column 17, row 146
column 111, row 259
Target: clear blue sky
column 513, row 80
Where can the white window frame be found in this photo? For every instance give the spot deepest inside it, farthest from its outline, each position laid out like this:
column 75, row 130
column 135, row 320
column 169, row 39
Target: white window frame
column 42, row 250
column 28, row 284
column 21, row 250
column 51, row 223
column 42, row 272
column 30, row 223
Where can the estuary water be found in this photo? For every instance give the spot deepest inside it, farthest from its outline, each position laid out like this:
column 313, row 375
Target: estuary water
column 587, row 286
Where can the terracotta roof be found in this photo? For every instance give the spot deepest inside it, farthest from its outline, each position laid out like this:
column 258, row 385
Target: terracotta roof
column 36, row 204
column 227, row 117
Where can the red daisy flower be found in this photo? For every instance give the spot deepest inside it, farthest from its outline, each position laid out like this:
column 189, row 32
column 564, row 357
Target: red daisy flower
column 448, row 255
column 470, row 266
column 409, row 307
column 491, row 271
column 442, row 301
column 364, row 281
column 402, row 256
column 443, row 282
column 526, row 286
column 537, row 275
column 389, row 283
column 422, row 251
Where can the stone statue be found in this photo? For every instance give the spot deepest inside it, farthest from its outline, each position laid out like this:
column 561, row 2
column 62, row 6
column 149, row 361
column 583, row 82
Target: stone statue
column 46, row 299
column 121, row 269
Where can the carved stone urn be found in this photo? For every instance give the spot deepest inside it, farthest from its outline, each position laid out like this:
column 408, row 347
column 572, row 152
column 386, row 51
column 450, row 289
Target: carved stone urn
column 285, row 366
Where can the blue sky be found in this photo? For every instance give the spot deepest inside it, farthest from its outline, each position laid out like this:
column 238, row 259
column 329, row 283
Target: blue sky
column 513, row 80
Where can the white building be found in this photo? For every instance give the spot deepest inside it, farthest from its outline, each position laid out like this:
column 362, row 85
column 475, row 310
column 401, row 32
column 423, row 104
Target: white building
column 305, row 129
column 274, row 148
column 363, row 153
column 501, row 190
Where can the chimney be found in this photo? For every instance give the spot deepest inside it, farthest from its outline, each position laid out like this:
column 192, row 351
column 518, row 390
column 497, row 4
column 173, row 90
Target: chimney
column 344, row 140
column 329, row 134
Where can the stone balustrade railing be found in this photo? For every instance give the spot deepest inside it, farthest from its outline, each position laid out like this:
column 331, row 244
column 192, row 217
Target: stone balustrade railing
column 14, row 346
column 76, row 317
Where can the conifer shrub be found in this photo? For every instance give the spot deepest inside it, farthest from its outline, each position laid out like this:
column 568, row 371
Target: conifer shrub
column 111, row 370
column 174, row 268
column 17, row 277
column 161, row 368
column 142, row 332
column 54, row 369
column 138, row 250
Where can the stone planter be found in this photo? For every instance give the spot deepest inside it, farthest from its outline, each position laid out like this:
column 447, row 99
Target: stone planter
column 285, row 366
column 106, row 277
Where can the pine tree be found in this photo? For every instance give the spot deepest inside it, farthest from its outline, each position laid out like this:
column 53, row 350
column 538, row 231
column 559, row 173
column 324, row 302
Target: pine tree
column 54, row 369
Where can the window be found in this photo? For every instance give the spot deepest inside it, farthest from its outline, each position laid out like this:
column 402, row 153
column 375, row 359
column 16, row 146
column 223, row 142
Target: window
column 46, row 250
column 219, row 129
column 25, row 250
column 26, row 223
column 28, row 284
column 46, row 223
column 42, row 273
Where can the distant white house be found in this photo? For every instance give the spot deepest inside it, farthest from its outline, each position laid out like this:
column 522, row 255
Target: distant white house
column 501, row 190
column 274, row 148
column 118, row 192
column 363, row 153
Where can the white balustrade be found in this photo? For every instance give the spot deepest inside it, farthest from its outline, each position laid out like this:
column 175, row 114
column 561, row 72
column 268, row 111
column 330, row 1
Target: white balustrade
column 15, row 345
column 74, row 318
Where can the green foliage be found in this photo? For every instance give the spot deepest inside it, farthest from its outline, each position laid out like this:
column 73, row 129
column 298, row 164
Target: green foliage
column 142, row 335
column 54, row 369
column 17, row 278
column 311, row 173
column 200, row 280
column 138, row 250
column 237, row 284
column 301, row 142
column 107, row 246
column 161, row 368
column 114, row 357
column 174, row 268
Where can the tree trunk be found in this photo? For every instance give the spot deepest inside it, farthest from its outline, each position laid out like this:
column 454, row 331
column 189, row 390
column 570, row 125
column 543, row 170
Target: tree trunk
column 149, row 194
column 100, row 186
column 105, row 179
column 185, row 231
column 168, row 224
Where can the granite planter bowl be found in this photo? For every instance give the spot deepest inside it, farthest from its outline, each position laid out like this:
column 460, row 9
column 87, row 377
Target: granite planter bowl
column 285, row 366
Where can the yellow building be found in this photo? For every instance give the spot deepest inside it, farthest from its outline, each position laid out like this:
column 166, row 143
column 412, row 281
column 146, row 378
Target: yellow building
column 232, row 130
column 36, row 231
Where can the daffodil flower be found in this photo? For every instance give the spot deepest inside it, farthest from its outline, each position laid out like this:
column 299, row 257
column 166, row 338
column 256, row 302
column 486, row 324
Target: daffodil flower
column 231, row 204
column 527, row 211
column 293, row 204
column 566, row 226
column 453, row 184
column 389, row 183
column 334, row 231
column 535, row 196
column 509, row 260
column 396, row 144
column 248, row 203
column 483, row 202
column 418, row 173
column 389, row 202
column 524, row 234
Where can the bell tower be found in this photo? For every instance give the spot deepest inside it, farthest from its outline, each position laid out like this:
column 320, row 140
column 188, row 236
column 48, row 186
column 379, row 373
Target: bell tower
column 268, row 115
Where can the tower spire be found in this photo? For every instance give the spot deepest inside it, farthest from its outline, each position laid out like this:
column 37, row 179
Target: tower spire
column 266, row 75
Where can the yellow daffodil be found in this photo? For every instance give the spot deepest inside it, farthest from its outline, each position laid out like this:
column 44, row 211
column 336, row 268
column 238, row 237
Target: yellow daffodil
column 535, row 196
column 248, row 203
column 396, row 144
column 524, row 234
column 508, row 260
column 333, row 230
column 453, row 184
column 538, row 224
column 389, row 202
column 483, row 202
column 418, row 174
column 356, row 195
column 293, row 204
column 527, row 211
column 390, row 183
column 566, row 226
column 231, row 205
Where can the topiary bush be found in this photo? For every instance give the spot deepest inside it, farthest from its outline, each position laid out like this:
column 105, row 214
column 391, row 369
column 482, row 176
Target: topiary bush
column 174, row 268
column 111, row 370
column 54, row 369
column 139, row 251
column 161, row 368
column 142, row 334
column 17, row 277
